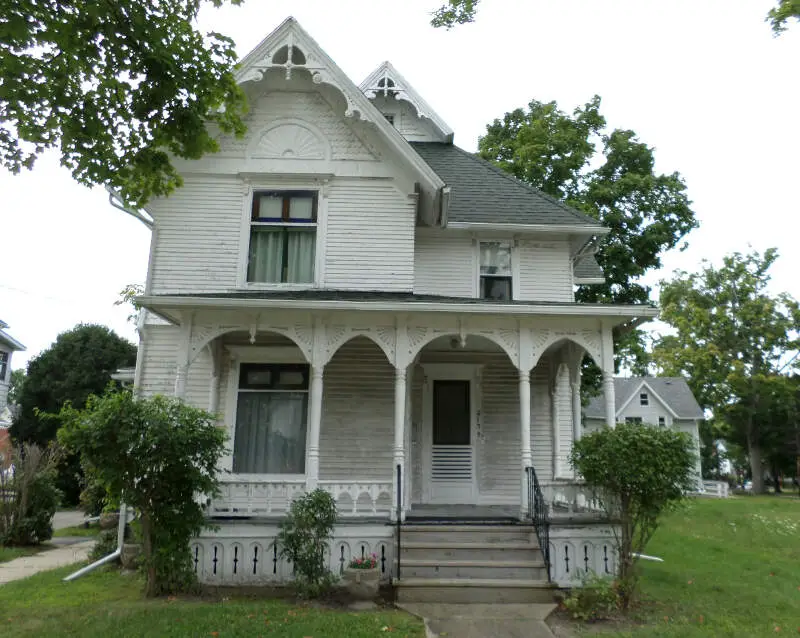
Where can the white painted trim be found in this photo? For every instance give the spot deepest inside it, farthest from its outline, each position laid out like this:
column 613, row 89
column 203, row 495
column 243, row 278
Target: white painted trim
column 569, row 229
column 550, row 309
column 449, row 372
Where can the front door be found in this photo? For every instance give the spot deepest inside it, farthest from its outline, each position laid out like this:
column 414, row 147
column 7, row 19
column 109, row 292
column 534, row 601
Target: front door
column 451, row 453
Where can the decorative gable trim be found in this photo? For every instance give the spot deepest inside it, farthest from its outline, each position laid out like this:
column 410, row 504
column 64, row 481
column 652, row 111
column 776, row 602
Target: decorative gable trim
column 651, row 393
column 387, row 81
column 290, row 47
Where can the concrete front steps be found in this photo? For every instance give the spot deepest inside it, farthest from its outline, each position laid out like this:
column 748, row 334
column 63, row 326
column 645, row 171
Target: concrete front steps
column 472, row 564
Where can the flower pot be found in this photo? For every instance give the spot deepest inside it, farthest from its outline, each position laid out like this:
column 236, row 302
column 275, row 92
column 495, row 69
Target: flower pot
column 130, row 552
column 362, row 584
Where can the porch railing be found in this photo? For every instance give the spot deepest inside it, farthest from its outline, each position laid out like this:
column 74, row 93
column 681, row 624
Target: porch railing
column 251, row 498
column 539, row 514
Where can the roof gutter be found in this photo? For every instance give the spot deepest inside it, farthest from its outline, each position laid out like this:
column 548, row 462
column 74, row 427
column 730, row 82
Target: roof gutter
column 570, row 229
column 159, row 304
column 115, row 199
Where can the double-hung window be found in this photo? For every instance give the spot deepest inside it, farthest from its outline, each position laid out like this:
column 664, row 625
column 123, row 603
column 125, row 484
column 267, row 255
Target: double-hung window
column 283, row 237
column 495, row 270
column 635, row 420
column 3, row 365
column 271, row 419
column 644, row 399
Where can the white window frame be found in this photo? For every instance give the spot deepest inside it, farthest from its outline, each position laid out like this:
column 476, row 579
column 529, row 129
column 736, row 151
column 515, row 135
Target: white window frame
column 256, row 354
column 4, row 378
column 662, row 421
column 321, row 226
column 644, row 399
column 512, row 245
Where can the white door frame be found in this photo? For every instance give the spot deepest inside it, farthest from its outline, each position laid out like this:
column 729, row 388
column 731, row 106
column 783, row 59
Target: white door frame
column 449, row 372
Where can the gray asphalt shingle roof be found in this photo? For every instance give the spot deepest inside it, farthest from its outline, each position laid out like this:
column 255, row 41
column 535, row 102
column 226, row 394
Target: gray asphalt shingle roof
column 483, row 193
column 674, row 391
column 588, row 268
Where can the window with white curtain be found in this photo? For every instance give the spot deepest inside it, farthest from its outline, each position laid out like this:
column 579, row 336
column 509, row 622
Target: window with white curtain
column 271, row 419
column 283, row 237
column 495, row 270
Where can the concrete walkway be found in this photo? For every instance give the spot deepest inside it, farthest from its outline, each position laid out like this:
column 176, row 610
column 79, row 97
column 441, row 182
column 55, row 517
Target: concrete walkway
column 43, row 561
column 68, row 518
column 483, row 621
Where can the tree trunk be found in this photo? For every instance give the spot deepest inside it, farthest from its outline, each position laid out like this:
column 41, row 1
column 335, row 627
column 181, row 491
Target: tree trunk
column 151, row 588
column 756, row 468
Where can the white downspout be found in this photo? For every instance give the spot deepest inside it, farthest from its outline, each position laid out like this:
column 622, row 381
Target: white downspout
column 123, row 519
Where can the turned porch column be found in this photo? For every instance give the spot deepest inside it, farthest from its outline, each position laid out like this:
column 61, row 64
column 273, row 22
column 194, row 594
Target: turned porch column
column 314, row 419
column 399, row 436
column 525, row 434
column 576, row 406
column 184, row 356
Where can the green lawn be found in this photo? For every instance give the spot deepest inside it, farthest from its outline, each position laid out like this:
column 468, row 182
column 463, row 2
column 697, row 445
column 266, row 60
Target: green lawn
column 105, row 603
column 10, row 553
column 731, row 568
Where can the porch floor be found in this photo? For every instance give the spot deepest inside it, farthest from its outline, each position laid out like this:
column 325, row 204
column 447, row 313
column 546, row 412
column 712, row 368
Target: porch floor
column 481, row 514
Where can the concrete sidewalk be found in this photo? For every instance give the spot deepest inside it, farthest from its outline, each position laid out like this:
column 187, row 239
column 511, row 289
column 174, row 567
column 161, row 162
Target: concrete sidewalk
column 483, row 621
column 43, row 561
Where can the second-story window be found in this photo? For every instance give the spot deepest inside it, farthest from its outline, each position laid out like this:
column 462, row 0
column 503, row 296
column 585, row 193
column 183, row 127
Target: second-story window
column 644, row 399
column 3, row 365
column 283, row 237
column 495, row 270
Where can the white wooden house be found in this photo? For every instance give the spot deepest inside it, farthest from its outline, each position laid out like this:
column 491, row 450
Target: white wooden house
column 359, row 299
column 8, row 345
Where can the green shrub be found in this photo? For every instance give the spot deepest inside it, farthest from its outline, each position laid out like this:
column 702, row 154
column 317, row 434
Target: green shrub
column 154, row 454
column 597, row 599
column 106, row 543
column 305, row 537
column 636, row 472
column 29, row 496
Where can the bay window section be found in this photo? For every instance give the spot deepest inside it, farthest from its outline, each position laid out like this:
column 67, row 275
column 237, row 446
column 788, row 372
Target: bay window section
column 283, row 237
column 495, row 270
column 271, row 419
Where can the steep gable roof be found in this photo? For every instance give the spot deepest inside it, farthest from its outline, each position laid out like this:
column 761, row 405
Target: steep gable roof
column 480, row 192
column 388, row 81
column 8, row 339
column 289, row 48
column 673, row 391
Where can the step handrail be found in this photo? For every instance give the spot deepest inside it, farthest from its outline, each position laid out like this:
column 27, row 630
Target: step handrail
column 539, row 515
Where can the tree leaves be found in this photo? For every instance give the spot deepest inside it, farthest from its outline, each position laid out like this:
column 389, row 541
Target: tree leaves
column 119, row 88
column 609, row 175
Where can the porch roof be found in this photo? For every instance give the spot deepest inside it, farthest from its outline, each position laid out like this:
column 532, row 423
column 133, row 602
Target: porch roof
column 170, row 305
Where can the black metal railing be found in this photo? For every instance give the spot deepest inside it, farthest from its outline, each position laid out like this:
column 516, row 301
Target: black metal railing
column 399, row 514
column 539, row 515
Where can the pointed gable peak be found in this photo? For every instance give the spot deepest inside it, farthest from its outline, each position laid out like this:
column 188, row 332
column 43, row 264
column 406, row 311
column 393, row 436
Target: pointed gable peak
column 386, row 81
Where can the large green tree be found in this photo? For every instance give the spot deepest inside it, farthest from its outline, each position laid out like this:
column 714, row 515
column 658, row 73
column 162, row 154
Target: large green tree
column 735, row 342
column 77, row 365
column 117, row 87
column 463, row 11
column 608, row 174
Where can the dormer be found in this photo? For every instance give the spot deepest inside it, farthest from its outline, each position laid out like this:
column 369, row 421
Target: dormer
column 403, row 107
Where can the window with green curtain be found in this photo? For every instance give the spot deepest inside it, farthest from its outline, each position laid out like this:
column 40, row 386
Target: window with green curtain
column 271, row 419
column 283, row 237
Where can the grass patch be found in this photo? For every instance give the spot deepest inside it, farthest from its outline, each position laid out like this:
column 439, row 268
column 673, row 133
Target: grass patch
column 105, row 603
column 10, row 553
column 731, row 569
column 78, row 530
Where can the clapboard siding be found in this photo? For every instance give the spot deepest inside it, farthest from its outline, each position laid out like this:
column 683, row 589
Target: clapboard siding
column 444, row 264
column 357, row 429
column 545, row 271
column 197, row 237
column 565, row 423
column 369, row 238
column 406, row 120
column 159, row 363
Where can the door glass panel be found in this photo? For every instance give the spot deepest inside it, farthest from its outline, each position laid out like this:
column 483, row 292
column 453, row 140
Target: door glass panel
column 451, row 417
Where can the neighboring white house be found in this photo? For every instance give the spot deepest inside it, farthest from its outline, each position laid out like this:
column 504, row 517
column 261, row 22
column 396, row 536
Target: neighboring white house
column 662, row 401
column 361, row 300
column 8, row 345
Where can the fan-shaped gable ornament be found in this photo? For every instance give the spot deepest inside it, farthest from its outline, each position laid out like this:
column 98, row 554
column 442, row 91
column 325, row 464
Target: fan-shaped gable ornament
column 290, row 140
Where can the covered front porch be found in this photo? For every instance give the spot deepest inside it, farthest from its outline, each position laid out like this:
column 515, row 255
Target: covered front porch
column 394, row 409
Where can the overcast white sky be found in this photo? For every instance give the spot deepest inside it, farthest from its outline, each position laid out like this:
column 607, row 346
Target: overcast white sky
column 703, row 81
